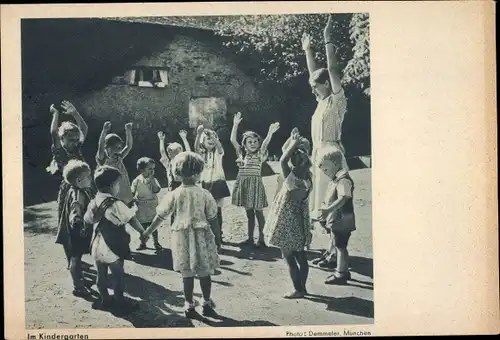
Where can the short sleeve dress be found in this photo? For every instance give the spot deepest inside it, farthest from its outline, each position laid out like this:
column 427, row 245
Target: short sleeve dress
column 287, row 223
column 193, row 243
column 125, row 192
column 213, row 177
column 145, row 199
column 249, row 191
column 326, row 130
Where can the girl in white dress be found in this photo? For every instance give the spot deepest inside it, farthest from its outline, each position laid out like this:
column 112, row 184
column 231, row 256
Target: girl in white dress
column 194, row 244
column 213, row 178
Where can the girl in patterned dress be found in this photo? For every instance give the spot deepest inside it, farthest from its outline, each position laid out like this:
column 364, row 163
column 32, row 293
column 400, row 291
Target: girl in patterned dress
column 248, row 189
column 67, row 141
column 213, row 178
column 145, row 187
column 194, row 245
column 288, row 226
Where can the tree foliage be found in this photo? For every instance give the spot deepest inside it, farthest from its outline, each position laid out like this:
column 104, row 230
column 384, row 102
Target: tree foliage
column 275, row 41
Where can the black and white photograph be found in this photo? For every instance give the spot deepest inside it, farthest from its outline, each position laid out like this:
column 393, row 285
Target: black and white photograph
column 197, row 171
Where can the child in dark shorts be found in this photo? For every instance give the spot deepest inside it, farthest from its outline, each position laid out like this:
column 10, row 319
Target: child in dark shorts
column 337, row 213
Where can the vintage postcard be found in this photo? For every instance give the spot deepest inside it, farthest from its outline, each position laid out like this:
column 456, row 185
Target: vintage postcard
column 204, row 170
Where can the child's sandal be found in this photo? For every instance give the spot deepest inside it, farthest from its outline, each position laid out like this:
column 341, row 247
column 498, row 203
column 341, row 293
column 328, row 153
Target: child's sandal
column 294, row 295
column 189, row 309
column 338, row 278
column 208, row 308
column 142, row 246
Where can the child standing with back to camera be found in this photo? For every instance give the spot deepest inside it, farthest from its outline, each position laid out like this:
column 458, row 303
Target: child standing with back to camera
column 288, row 226
column 249, row 191
column 213, row 178
column 194, row 247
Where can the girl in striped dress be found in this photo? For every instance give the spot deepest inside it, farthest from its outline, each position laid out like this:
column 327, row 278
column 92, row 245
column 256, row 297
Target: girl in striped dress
column 248, row 191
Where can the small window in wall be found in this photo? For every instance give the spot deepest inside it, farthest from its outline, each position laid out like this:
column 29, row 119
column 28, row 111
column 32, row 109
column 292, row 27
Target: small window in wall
column 143, row 77
column 206, row 110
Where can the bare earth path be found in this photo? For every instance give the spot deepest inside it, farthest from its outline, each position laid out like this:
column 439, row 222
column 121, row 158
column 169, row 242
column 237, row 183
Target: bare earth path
column 248, row 290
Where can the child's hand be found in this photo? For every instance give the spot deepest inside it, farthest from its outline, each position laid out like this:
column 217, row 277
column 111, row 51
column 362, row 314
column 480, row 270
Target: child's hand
column 53, row 109
column 294, row 131
column 200, row 130
column 183, row 134
column 327, row 33
column 161, row 135
column 306, row 41
column 274, row 127
column 107, row 126
column 308, row 239
column 68, row 108
column 128, row 127
column 237, row 118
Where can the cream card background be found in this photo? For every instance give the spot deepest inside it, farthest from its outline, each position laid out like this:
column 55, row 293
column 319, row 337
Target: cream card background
column 434, row 163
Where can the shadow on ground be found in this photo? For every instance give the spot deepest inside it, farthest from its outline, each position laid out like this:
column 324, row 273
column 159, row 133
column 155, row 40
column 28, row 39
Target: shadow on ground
column 347, row 305
column 268, row 254
column 39, row 220
column 217, row 320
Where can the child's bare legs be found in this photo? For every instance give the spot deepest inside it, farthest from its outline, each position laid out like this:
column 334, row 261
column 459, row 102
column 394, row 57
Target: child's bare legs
column 188, row 288
column 75, row 268
column 219, row 219
column 341, row 274
column 303, row 269
column 251, row 226
column 118, row 272
column 294, row 272
column 102, row 282
column 262, row 221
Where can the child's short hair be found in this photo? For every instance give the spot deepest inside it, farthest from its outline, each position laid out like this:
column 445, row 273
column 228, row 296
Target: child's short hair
column 305, row 145
column 187, row 164
column 208, row 132
column 67, row 127
column 300, row 158
column 250, row 134
column 174, row 147
column 320, row 76
column 73, row 170
column 112, row 139
column 105, row 176
column 143, row 162
column 330, row 153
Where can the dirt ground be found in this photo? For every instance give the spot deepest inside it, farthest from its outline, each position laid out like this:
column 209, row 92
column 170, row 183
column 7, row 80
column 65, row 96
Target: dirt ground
column 248, row 289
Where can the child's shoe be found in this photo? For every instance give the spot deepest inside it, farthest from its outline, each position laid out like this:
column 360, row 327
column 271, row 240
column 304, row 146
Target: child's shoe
column 142, row 246
column 158, row 246
column 261, row 244
column 189, row 309
column 81, row 292
column 294, row 295
column 247, row 243
column 338, row 278
column 208, row 308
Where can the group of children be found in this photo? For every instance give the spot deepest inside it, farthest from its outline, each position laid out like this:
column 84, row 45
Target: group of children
column 93, row 211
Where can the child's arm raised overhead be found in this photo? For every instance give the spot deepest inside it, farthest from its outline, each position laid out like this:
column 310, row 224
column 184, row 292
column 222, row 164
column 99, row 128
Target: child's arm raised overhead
column 54, row 127
column 289, row 140
column 293, row 143
column 218, row 145
column 272, row 129
column 70, row 109
column 161, row 138
column 101, row 154
column 236, row 122
column 306, row 46
column 331, row 49
column 197, row 141
column 183, row 135
column 129, row 142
